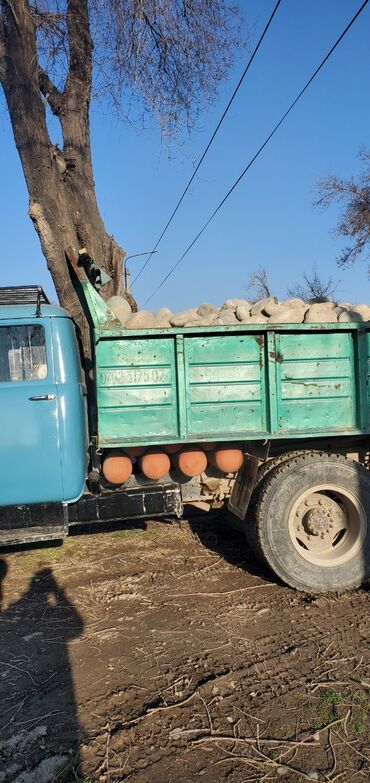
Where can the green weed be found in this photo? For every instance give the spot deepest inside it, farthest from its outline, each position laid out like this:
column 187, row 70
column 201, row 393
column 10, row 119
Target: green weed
column 132, row 533
column 333, row 705
column 44, row 555
column 68, row 772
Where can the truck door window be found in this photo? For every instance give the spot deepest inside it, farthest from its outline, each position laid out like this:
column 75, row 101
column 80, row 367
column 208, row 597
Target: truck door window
column 22, row 353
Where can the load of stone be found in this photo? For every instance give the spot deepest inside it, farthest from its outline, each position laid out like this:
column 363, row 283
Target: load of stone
column 239, row 311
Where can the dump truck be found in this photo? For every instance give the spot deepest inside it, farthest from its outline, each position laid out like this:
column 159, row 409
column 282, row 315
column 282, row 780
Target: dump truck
column 270, row 422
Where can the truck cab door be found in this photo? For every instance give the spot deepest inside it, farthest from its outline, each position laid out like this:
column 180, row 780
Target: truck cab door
column 30, row 464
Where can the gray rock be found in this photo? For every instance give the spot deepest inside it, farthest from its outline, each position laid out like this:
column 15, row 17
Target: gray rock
column 288, row 315
column 205, row 321
column 242, row 312
column 226, row 318
column 350, row 316
column 180, row 319
column 143, row 319
column 163, row 312
column 231, row 304
column 161, row 323
column 256, row 319
column 329, row 304
column 207, row 310
column 361, row 309
column 259, row 307
column 272, row 308
column 321, row 313
column 295, row 302
column 120, row 307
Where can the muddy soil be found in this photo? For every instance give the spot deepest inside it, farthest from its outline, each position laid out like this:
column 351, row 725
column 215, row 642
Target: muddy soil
column 166, row 654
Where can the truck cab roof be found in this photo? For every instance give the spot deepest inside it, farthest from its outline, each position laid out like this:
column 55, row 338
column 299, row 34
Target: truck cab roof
column 25, row 302
column 27, row 311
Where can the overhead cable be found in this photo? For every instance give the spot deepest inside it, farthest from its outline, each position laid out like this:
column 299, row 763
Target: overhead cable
column 261, row 148
column 217, row 128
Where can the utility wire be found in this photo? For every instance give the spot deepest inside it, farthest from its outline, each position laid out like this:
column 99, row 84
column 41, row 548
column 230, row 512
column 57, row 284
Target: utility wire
column 261, row 148
column 246, row 69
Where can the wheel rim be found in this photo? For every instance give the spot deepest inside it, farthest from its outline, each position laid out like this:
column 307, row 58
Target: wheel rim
column 327, row 525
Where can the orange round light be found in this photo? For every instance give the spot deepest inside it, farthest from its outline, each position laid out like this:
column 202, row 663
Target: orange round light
column 228, row 460
column 117, row 468
column 155, row 464
column 191, row 462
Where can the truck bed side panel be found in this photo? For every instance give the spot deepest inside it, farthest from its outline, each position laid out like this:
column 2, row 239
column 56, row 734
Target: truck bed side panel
column 315, row 382
column 137, row 390
column 233, row 383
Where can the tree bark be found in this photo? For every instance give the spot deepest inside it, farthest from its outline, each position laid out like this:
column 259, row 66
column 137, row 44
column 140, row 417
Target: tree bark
column 62, row 200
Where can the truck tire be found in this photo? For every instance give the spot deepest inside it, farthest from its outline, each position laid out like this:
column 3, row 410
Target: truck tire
column 310, row 522
column 248, row 525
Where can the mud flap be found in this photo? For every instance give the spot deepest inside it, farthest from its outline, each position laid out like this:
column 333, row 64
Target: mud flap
column 245, row 481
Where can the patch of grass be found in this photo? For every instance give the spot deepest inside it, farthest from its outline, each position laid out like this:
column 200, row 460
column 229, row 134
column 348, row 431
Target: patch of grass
column 42, row 555
column 273, row 753
column 333, row 704
column 326, row 710
column 69, row 773
column 127, row 535
column 359, row 724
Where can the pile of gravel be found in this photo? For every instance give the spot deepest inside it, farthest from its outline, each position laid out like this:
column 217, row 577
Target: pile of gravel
column 239, row 311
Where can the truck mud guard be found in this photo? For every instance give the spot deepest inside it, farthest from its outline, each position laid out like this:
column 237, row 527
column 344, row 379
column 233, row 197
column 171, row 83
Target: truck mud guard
column 245, row 481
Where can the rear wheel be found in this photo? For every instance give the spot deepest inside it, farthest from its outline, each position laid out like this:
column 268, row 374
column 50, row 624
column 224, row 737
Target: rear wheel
column 310, row 522
column 264, row 469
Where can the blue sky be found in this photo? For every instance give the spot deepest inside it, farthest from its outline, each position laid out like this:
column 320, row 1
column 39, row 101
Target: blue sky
column 269, row 220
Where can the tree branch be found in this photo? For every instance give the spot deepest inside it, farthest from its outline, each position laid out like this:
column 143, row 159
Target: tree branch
column 50, row 92
column 13, row 13
column 80, row 50
column 45, row 17
column 2, row 48
column 22, row 91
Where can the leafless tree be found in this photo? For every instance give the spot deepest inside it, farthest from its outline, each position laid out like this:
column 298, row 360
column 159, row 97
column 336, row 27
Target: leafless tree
column 314, row 288
column 163, row 56
column 258, row 284
column 355, row 220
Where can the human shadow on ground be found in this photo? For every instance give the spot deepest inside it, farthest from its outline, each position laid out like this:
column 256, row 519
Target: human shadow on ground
column 39, row 728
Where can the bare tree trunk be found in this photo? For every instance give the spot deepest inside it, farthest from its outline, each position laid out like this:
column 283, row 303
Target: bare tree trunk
column 60, row 183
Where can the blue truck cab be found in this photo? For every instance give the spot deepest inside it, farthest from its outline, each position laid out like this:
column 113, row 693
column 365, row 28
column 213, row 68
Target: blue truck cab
column 49, row 460
column 44, row 432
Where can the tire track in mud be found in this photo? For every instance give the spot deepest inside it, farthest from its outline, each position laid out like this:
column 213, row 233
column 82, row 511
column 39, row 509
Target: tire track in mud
column 184, row 636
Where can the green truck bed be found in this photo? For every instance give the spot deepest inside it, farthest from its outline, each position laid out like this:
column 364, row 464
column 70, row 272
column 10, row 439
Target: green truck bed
column 228, row 383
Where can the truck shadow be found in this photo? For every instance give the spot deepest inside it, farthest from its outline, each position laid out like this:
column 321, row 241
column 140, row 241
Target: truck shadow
column 39, row 728
column 216, row 533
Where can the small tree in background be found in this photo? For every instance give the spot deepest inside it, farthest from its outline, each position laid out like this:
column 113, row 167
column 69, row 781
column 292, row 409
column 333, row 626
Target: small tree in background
column 313, row 288
column 354, row 223
column 258, row 284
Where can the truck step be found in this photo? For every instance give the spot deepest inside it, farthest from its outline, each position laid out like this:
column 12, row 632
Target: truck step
column 29, row 535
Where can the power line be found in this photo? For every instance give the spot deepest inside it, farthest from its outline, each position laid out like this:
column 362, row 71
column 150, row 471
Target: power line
column 246, row 69
column 261, row 148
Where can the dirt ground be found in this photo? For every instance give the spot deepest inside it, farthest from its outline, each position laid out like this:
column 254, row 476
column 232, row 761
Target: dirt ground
column 167, row 655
